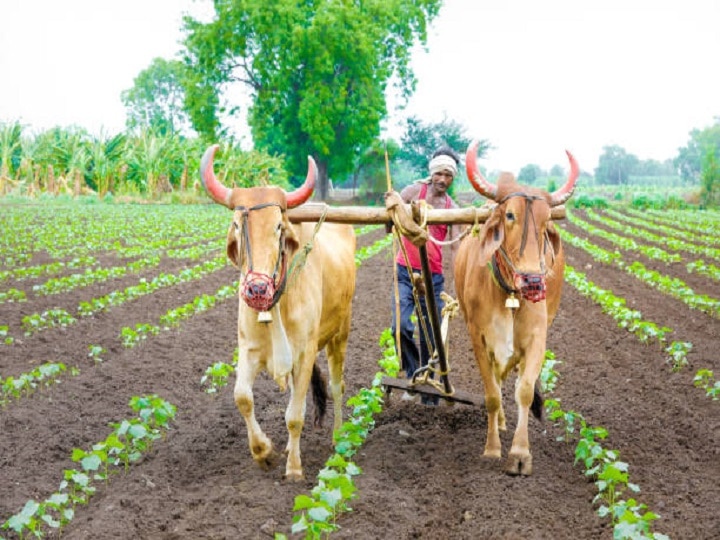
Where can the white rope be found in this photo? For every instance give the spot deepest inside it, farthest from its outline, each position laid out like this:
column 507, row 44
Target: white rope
column 448, row 242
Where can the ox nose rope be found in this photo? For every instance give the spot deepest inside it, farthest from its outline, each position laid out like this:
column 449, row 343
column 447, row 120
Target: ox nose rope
column 532, row 286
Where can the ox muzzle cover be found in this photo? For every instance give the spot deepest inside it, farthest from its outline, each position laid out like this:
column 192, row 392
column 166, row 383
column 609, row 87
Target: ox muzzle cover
column 258, row 291
column 532, row 286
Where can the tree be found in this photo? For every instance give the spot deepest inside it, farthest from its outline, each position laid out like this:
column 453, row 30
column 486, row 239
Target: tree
column 157, row 98
column 421, row 139
column 316, row 72
column 615, row 166
column 690, row 158
column 529, row 173
column 710, row 180
column 652, row 167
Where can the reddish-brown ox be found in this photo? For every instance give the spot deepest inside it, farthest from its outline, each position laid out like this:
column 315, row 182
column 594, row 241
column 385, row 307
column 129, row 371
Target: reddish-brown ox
column 508, row 281
column 293, row 303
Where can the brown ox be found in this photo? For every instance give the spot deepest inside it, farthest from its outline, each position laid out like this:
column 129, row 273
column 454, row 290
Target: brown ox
column 293, row 303
column 516, row 260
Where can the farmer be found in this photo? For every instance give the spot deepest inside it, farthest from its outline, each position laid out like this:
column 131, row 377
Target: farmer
column 443, row 168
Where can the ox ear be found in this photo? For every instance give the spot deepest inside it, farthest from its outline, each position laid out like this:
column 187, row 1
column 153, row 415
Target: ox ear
column 292, row 242
column 492, row 235
column 232, row 247
column 553, row 236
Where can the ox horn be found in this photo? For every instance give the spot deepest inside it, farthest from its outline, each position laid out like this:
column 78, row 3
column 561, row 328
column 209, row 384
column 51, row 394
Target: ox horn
column 561, row 195
column 303, row 193
column 478, row 181
column 219, row 193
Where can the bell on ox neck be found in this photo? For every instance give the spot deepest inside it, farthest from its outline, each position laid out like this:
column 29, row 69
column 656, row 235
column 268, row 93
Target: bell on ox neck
column 264, row 316
column 512, row 302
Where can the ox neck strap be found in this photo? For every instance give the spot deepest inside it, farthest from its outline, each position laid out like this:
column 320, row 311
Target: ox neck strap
column 497, row 272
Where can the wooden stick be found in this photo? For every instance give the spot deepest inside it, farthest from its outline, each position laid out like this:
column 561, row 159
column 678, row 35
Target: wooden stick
column 362, row 215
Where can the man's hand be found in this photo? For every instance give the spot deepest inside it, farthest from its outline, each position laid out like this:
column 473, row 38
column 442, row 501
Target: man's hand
column 392, row 199
column 419, row 283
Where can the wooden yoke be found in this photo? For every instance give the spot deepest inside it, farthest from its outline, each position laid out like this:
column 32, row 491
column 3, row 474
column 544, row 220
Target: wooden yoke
column 364, row 215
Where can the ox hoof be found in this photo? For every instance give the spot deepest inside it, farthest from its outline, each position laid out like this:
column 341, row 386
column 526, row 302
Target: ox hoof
column 519, row 465
column 294, row 476
column 267, row 460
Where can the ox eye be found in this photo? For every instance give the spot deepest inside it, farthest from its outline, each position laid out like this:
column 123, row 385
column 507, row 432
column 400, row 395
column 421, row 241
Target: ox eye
column 510, row 216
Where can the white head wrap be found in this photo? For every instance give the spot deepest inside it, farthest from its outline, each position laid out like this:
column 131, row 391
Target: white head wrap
column 443, row 163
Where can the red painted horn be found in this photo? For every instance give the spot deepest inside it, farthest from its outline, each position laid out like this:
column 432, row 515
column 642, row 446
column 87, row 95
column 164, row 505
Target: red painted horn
column 478, row 181
column 303, row 193
column 219, row 193
column 561, row 195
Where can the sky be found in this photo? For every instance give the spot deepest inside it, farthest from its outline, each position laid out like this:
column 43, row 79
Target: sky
column 534, row 78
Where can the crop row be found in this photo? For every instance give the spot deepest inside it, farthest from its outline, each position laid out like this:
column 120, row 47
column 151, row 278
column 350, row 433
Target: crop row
column 55, row 317
column 706, row 222
column 672, row 286
column 126, row 229
column 625, row 226
column 671, row 234
column 632, row 319
column 129, row 440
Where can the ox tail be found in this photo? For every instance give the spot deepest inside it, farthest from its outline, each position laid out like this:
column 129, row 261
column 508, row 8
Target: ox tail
column 536, row 407
column 320, row 396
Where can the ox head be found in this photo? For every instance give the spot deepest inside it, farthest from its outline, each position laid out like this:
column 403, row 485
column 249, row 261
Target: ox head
column 261, row 237
column 518, row 239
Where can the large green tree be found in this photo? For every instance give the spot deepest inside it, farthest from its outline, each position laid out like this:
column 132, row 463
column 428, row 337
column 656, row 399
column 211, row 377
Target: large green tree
column 157, row 99
column 316, row 71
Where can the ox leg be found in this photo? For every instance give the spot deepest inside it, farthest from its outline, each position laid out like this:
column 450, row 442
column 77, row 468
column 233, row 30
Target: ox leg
column 295, row 414
column 519, row 460
column 260, row 445
column 336, row 363
column 493, row 401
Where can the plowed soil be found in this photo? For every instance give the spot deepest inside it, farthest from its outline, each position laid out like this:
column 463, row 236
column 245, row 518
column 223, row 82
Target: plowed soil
column 423, row 476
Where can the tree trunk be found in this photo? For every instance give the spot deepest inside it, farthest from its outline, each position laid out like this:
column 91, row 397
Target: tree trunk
column 184, row 179
column 4, row 178
column 150, row 184
column 323, row 187
column 51, row 180
column 77, row 175
column 37, row 184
